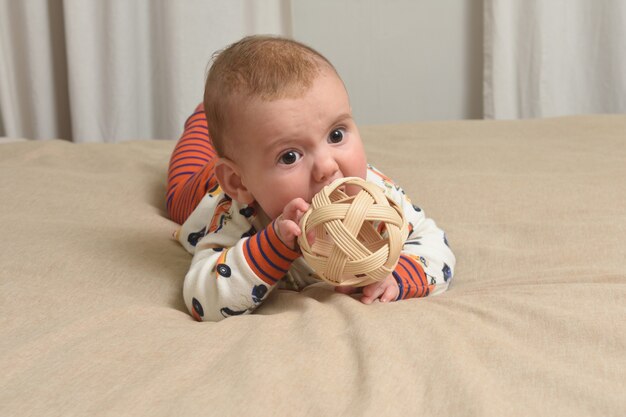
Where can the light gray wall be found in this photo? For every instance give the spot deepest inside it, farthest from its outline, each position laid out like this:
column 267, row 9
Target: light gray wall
column 401, row 60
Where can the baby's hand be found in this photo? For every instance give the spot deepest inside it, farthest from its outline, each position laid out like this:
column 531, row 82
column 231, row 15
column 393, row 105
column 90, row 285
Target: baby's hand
column 387, row 290
column 287, row 225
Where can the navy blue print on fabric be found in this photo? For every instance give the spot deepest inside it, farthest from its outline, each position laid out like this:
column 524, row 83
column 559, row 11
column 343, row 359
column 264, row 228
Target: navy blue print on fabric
column 227, row 312
column 197, row 310
column 249, row 233
column 247, row 211
column 258, row 292
column 213, row 189
column 224, row 270
column 193, row 238
column 446, row 272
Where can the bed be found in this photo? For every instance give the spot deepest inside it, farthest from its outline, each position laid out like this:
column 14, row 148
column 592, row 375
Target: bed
column 534, row 323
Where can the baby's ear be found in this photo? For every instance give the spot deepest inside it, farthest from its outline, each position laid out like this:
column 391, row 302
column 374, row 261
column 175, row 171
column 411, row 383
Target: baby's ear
column 229, row 178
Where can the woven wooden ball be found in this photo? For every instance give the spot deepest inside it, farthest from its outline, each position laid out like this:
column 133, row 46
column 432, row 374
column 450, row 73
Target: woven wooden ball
column 357, row 238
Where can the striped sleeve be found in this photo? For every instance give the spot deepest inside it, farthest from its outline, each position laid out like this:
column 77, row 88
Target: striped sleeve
column 229, row 280
column 411, row 279
column 267, row 256
column 191, row 169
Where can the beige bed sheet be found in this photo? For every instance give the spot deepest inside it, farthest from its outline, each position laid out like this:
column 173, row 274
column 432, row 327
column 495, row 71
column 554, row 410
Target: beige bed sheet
column 92, row 320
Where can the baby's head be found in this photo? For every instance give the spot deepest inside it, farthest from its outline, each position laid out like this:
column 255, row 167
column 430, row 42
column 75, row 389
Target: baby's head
column 280, row 119
column 263, row 67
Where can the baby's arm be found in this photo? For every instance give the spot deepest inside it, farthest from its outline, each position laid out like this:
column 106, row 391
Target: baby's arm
column 226, row 280
column 234, row 267
column 426, row 263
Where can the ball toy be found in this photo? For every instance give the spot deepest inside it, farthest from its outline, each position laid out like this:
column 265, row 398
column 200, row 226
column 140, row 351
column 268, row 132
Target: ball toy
column 357, row 238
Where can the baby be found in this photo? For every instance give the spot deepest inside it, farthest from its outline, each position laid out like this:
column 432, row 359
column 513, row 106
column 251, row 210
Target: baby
column 276, row 127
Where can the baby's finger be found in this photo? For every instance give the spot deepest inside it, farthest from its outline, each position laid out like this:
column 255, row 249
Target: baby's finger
column 290, row 228
column 372, row 292
column 390, row 294
column 295, row 209
column 287, row 232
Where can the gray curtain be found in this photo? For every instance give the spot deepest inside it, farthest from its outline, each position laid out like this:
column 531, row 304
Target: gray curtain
column 114, row 70
column 554, row 57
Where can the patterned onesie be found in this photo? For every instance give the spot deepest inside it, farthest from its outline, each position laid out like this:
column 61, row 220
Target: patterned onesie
column 238, row 258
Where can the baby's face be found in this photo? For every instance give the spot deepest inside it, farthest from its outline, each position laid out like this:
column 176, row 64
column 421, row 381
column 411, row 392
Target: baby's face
column 293, row 147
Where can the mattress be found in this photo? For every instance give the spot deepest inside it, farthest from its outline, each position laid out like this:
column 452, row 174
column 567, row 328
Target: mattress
column 92, row 320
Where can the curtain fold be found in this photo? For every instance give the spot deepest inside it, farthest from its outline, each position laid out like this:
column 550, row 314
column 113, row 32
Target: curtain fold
column 114, row 70
column 551, row 58
column 33, row 72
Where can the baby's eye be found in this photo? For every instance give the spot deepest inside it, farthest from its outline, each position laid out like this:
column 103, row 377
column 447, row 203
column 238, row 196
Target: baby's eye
column 290, row 157
column 336, row 136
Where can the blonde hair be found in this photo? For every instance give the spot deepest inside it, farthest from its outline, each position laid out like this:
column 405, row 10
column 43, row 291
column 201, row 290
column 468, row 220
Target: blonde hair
column 266, row 67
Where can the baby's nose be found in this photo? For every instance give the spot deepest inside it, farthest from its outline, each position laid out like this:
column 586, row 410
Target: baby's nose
column 326, row 169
